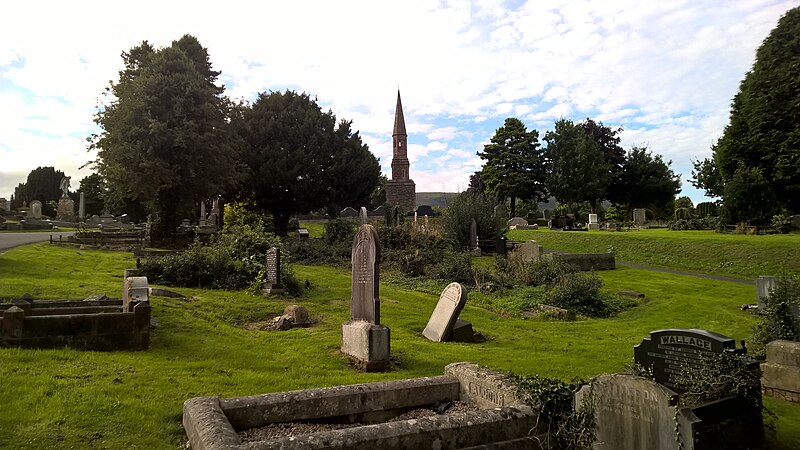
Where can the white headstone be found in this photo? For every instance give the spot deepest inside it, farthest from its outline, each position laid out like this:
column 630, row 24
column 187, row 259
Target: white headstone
column 444, row 316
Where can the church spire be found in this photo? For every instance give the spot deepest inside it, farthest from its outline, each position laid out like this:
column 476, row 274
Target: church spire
column 399, row 120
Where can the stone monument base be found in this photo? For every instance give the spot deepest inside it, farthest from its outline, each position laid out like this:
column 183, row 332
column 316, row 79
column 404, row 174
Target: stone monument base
column 476, row 252
column 66, row 209
column 367, row 345
column 594, row 227
column 272, row 289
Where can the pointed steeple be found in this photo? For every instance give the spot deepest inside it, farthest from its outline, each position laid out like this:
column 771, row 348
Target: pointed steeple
column 399, row 121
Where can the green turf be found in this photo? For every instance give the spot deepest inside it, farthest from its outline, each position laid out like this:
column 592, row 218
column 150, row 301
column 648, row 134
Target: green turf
column 739, row 256
column 81, row 399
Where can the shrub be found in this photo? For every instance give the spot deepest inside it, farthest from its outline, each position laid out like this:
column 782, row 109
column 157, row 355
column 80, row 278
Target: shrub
column 777, row 321
column 319, row 251
column 412, row 263
column 541, row 272
column 453, row 267
column 579, row 293
column 457, row 219
column 339, row 230
column 241, row 214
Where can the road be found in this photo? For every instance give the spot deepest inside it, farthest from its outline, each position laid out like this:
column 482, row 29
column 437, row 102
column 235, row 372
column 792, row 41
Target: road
column 11, row 240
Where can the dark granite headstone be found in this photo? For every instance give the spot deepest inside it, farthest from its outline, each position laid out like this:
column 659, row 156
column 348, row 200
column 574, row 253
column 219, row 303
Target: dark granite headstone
column 667, row 352
column 349, row 212
column 366, row 254
column 425, row 210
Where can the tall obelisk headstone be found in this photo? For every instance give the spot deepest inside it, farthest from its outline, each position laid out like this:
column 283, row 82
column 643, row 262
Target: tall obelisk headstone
column 364, row 339
column 82, row 207
column 400, row 190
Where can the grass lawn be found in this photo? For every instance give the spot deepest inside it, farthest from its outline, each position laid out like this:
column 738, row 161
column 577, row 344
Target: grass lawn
column 80, row 399
column 734, row 255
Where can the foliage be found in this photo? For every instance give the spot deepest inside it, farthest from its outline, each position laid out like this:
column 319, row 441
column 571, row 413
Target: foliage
column 514, row 166
column 239, row 214
column 608, row 139
column 684, row 202
column 540, row 272
column 165, row 139
column 748, row 198
column 579, row 293
column 700, row 223
column 453, row 267
column 781, row 222
column 616, row 213
column 764, row 129
column 231, row 260
column 378, row 196
column 42, row 184
column 707, row 209
column 457, row 219
column 567, row 428
column 577, row 169
column 340, row 230
column 777, row 321
column 648, row 182
column 300, row 160
column 476, row 184
column 718, row 376
column 94, row 193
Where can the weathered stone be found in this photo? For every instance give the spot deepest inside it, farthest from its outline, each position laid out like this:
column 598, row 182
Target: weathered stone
column 515, row 222
column 529, row 251
column 462, row 332
column 668, row 351
column 365, row 256
column 136, row 289
column 362, row 215
column 554, row 312
column 302, row 233
column 485, row 388
column 66, row 209
column 781, row 372
column 272, row 269
column 298, row 314
column 445, row 314
column 764, row 284
column 631, row 294
column 36, row 210
column 639, row 216
column 368, row 343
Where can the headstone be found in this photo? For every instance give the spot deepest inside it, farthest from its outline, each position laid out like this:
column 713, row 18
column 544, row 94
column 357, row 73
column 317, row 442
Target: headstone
column 126, row 219
column 362, row 215
column 135, row 290
column 668, row 351
column 95, row 219
column 415, row 219
column 449, row 306
column 425, row 210
column 781, row 371
column 272, row 268
column 216, row 212
column 380, row 211
column 82, row 207
column 514, row 222
column 473, row 238
column 298, row 314
column 763, row 285
column 500, row 245
column 592, row 218
column 349, row 212
column 593, row 225
column 462, row 332
column 364, row 339
column 639, row 216
column 66, row 209
column 202, row 219
column 529, row 251
column 184, row 223
column 500, row 211
column 547, row 214
column 302, row 233
column 36, row 210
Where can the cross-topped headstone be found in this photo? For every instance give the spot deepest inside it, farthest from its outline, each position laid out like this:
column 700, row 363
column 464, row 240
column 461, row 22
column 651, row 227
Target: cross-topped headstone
column 365, row 303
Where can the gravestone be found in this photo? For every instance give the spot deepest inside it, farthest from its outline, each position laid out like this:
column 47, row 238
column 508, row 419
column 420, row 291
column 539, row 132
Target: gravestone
column 449, row 306
column 763, row 285
column 515, row 222
column 473, row 238
column 362, row 215
column 639, row 216
column 82, row 206
column 593, row 225
column 349, row 212
column 302, row 233
column 668, row 351
column 272, row 268
column 425, row 210
column 36, row 210
column 529, row 251
column 547, row 214
column 201, row 221
column 500, row 211
column 66, row 209
column 380, row 211
column 364, row 339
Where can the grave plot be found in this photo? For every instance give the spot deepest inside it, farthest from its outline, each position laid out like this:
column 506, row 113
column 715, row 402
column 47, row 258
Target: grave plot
column 369, row 416
column 94, row 323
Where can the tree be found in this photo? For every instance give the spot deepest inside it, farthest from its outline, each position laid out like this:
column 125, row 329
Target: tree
column 577, row 168
column 608, row 139
column 299, row 160
column 764, row 128
column 457, row 219
column 476, row 185
column 647, row 181
column 378, row 196
column 748, row 197
column 42, row 184
column 514, row 166
column 684, row 202
column 94, row 193
column 165, row 140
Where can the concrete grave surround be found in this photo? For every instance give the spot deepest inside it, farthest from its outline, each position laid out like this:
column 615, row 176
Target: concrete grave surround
column 451, row 302
column 780, row 374
column 667, row 351
column 364, row 339
column 272, row 266
column 36, row 210
column 503, row 420
column 529, row 251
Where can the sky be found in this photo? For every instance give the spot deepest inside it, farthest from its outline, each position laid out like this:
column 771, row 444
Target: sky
column 664, row 71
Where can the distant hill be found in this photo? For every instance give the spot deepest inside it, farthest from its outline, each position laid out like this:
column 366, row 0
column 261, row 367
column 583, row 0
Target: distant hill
column 440, row 199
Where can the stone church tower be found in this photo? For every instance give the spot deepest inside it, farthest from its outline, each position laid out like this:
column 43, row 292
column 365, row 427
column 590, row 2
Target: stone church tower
column 400, row 190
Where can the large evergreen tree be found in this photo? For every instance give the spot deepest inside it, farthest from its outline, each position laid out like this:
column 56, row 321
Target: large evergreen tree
column 609, row 141
column 764, row 128
column 514, row 166
column 647, row 181
column 41, row 184
column 300, row 160
column 165, row 139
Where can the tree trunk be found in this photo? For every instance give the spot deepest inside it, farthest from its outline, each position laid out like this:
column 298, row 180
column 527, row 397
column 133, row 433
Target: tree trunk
column 513, row 207
column 280, row 220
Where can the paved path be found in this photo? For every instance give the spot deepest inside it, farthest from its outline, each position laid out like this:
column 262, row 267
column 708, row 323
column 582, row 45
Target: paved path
column 674, row 271
column 11, row 240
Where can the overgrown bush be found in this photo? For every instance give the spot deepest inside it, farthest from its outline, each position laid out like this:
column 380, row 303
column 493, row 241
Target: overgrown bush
column 319, row 251
column 453, row 267
column 579, row 293
column 339, row 230
column 700, row 223
column 239, row 214
column 719, row 376
column 540, row 272
column 567, row 428
column 777, row 321
column 457, row 219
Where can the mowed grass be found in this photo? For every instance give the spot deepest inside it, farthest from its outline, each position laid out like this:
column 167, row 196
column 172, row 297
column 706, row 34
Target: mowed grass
column 81, row 399
column 739, row 256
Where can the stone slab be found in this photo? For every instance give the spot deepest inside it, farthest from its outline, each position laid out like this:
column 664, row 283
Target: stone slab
column 462, row 332
column 485, row 388
column 365, row 302
column 445, row 314
column 367, row 343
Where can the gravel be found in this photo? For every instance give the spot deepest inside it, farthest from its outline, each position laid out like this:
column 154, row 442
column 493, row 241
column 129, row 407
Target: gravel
column 289, row 429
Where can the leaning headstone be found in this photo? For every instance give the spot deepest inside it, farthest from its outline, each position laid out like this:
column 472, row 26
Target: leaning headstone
column 364, row 339
column 668, row 351
column 639, row 216
column 529, row 251
column 449, row 306
column 36, row 210
column 362, row 215
column 473, row 238
column 272, row 267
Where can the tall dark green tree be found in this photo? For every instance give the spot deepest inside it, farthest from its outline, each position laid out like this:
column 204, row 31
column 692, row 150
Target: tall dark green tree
column 514, row 164
column 41, row 184
column 299, row 159
column 609, row 141
column 165, row 139
column 94, row 193
column 577, row 170
column 764, row 128
column 648, row 182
